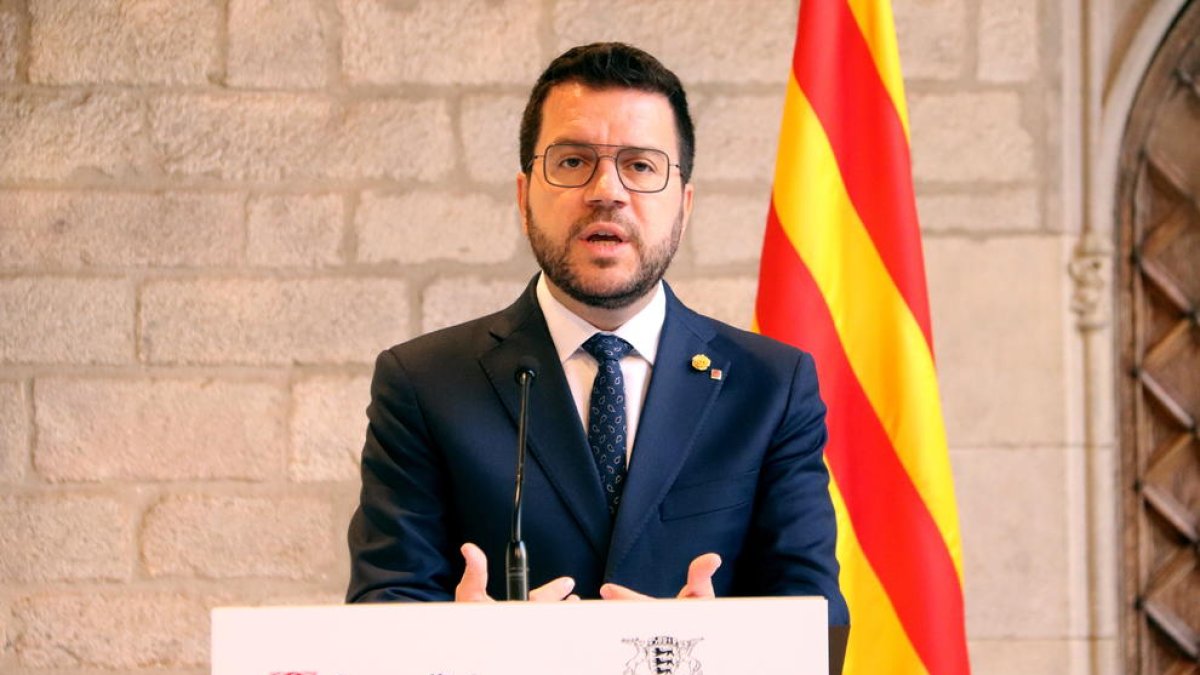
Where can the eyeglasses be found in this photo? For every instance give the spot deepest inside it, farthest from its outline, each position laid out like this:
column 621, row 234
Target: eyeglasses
column 572, row 165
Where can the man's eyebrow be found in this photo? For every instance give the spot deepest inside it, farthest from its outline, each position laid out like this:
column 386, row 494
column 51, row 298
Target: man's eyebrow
column 575, row 141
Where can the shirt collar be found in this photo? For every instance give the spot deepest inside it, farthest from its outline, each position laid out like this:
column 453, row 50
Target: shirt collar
column 569, row 331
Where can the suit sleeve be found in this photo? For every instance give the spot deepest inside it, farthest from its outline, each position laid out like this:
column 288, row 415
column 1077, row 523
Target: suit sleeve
column 791, row 548
column 400, row 539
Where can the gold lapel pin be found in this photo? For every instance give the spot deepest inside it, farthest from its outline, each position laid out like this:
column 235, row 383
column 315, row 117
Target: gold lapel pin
column 701, row 362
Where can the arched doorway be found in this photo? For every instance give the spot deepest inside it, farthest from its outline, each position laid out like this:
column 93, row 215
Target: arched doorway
column 1158, row 311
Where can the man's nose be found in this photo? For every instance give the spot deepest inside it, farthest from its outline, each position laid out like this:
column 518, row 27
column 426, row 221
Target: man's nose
column 606, row 186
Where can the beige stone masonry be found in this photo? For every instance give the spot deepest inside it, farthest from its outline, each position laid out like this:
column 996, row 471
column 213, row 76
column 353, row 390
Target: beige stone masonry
column 934, row 38
column 1008, row 40
column 737, row 137
column 156, row 429
column 58, row 136
column 219, row 537
column 270, row 137
column 489, row 127
column 997, row 307
column 281, row 44
column 9, row 32
column 327, row 427
column 123, row 631
column 701, row 40
column 295, row 230
column 428, row 225
column 453, row 300
column 272, row 321
column 69, row 230
column 14, row 432
column 143, row 42
column 58, row 320
column 452, row 42
column 988, row 482
column 730, row 299
column 960, row 138
column 1005, row 211
column 60, row 536
column 727, row 228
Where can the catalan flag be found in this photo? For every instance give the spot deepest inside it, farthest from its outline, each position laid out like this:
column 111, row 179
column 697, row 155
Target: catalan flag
column 843, row 277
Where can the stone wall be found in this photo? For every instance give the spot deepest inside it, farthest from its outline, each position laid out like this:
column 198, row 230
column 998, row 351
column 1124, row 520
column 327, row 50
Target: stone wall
column 214, row 213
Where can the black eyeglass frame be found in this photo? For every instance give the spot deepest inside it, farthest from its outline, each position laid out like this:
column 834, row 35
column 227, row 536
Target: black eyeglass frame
column 599, row 156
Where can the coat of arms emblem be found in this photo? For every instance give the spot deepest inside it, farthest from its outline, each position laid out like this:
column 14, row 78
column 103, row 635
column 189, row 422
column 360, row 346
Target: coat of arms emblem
column 663, row 654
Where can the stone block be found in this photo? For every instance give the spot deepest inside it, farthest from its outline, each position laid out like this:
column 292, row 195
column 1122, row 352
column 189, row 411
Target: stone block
column 728, row 228
column 272, row 321
column 10, row 49
column 701, row 40
column 70, row 230
column 6, row 631
column 1008, row 40
column 56, row 135
column 1012, row 505
column 221, row 537
column 280, row 44
column 295, row 230
column 328, row 427
column 268, row 137
column 14, row 432
column 141, row 42
column 490, row 129
column 450, row 301
column 423, row 226
column 737, row 137
column 158, row 429
column 48, row 320
column 932, row 38
column 728, row 299
column 64, row 537
column 978, row 212
column 453, row 42
column 124, row 630
column 1028, row 657
column 998, row 318
column 971, row 137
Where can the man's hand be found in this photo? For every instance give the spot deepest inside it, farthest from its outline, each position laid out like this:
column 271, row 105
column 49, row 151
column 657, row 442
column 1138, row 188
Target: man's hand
column 473, row 587
column 699, row 582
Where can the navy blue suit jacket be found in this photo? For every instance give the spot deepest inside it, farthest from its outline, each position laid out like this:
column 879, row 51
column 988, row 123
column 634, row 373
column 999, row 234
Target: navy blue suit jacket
column 731, row 465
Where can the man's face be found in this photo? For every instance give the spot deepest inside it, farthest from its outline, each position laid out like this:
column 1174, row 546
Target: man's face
column 600, row 243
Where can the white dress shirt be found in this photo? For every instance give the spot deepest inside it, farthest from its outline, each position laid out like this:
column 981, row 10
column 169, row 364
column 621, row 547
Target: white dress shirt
column 569, row 332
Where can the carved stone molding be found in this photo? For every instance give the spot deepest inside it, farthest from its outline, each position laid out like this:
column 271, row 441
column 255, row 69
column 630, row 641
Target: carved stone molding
column 1091, row 276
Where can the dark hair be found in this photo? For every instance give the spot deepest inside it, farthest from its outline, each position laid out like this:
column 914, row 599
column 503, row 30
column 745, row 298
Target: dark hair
column 610, row 65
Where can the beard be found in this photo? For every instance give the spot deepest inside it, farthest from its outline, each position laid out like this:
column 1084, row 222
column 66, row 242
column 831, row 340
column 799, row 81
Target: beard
column 555, row 260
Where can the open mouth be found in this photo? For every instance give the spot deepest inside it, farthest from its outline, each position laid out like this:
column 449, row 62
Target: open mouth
column 603, row 234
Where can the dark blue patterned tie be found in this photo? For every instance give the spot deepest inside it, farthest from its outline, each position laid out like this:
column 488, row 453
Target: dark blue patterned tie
column 606, row 415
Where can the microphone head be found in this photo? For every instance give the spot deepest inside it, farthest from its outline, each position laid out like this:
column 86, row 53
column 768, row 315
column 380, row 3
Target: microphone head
column 527, row 366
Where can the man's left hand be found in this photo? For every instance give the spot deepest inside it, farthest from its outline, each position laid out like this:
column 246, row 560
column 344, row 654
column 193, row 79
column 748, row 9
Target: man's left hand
column 699, row 582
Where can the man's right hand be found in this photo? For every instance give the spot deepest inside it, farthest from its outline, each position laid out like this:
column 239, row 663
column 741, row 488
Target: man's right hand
column 473, row 587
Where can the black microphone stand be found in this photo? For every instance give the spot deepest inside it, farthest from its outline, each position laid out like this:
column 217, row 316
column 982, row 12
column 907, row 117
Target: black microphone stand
column 516, row 561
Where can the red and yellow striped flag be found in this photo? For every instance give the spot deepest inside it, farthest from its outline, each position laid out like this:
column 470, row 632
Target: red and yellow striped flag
column 843, row 277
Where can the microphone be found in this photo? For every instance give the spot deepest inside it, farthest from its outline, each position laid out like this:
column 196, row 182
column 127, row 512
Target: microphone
column 516, row 561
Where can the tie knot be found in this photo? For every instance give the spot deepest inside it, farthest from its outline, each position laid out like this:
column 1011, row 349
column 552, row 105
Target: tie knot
column 605, row 347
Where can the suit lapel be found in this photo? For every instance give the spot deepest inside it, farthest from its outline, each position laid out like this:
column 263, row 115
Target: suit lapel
column 556, row 439
column 672, row 417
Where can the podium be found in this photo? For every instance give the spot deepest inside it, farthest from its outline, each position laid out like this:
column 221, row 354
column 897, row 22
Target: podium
column 764, row 636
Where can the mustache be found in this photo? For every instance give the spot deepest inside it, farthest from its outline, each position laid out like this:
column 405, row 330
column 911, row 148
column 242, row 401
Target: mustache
column 609, row 215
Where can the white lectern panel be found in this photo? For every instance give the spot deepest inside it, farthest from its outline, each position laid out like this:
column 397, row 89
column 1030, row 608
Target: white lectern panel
column 767, row 636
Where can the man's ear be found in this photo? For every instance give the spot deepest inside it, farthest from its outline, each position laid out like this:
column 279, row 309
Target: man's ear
column 523, row 200
column 686, row 207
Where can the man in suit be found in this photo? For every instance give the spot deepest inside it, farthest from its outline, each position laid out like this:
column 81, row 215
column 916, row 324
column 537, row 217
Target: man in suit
column 667, row 450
